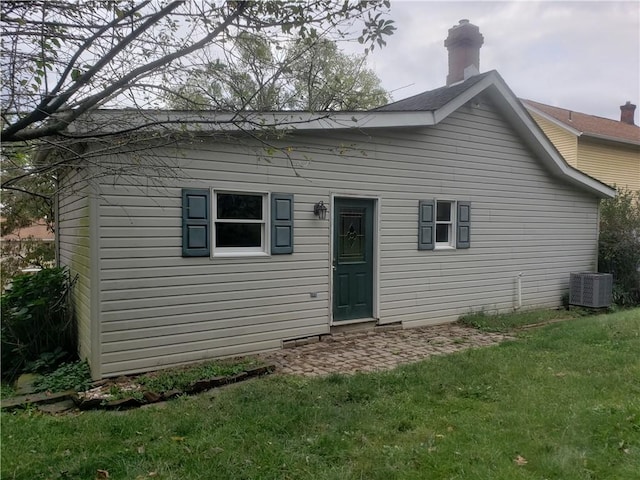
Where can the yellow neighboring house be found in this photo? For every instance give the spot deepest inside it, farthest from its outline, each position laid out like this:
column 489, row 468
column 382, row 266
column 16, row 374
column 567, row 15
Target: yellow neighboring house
column 608, row 150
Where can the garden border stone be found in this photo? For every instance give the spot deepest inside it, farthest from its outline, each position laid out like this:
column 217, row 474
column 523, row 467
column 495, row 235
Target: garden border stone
column 148, row 396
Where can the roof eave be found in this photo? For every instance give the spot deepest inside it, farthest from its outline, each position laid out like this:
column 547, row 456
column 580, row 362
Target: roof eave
column 609, row 138
column 492, row 83
column 531, row 132
column 121, row 121
column 552, row 119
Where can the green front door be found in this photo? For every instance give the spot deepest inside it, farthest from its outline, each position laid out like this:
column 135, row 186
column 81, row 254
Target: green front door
column 352, row 259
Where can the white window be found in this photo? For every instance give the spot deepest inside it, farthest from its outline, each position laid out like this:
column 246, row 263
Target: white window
column 445, row 224
column 240, row 223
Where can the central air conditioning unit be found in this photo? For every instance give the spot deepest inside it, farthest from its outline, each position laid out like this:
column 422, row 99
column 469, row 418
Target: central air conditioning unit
column 588, row 289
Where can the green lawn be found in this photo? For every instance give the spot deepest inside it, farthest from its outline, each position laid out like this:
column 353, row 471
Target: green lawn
column 561, row 402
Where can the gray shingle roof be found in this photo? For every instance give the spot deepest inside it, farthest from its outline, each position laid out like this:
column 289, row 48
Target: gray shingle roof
column 431, row 100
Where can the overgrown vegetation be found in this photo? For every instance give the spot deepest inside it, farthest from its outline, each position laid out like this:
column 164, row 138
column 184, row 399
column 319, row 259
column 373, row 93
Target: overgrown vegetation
column 506, row 322
column 619, row 248
column 68, row 376
column 181, row 378
column 20, row 254
column 559, row 403
column 6, row 390
column 37, row 321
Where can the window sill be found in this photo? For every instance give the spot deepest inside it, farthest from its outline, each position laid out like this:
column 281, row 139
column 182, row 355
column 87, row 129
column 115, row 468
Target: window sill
column 239, row 254
column 444, row 247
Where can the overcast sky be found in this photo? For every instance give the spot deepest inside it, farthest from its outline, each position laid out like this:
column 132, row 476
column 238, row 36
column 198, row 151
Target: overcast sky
column 584, row 56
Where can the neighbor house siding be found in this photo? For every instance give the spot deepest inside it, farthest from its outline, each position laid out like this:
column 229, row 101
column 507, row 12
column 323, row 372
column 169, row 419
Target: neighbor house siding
column 614, row 164
column 73, row 226
column 159, row 308
column 565, row 142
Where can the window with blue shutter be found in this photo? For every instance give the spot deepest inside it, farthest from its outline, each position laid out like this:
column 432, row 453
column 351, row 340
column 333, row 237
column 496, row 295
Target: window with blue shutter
column 196, row 221
column 281, row 223
column 463, row 237
column 426, row 224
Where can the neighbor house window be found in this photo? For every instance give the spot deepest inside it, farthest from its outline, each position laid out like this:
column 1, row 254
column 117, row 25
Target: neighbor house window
column 445, row 221
column 239, row 223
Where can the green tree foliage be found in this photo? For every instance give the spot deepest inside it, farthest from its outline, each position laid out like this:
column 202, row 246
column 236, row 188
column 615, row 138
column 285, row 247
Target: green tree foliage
column 619, row 247
column 36, row 319
column 28, row 196
column 60, row 61
column 24, row 253
column 28, row 201
column 261, row 74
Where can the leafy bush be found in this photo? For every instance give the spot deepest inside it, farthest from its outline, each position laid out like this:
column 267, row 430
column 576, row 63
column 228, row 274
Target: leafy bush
column 25, row 253
column 36, row 318
column 619, row 247
column 68, row 376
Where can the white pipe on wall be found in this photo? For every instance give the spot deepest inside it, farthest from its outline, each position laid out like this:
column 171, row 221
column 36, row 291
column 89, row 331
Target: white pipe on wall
column 519, row 284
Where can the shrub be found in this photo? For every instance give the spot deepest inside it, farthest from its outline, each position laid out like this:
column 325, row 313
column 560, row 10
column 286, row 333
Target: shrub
column 68, row 376
column 36, row 318
column 25, row 253
column 619, row 247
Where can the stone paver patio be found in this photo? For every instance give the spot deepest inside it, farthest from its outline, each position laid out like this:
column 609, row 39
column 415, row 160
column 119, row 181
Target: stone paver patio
column 374, row 351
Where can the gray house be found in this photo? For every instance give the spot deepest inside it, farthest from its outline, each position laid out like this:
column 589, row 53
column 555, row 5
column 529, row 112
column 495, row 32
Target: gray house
column 426, row 209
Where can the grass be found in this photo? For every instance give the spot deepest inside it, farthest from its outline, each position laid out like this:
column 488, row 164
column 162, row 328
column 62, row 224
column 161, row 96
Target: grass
column 561, row 402
column 181, row 378
column 507, row 322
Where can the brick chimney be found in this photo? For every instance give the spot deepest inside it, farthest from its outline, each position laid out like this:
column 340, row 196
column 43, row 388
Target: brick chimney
column 627, row 111
column 464, row 42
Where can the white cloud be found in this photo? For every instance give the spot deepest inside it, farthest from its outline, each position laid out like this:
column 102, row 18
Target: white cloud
column 579, row 55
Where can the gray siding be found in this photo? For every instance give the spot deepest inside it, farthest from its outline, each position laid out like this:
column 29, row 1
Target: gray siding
column 73, row 225
column 159, row 309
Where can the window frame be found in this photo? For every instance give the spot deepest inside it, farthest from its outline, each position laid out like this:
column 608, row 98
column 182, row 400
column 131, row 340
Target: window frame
column 450, row 244
column 265, row 233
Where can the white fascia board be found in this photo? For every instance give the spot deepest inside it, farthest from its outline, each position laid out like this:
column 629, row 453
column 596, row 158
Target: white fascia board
column 522, row 122
column 301, row 121
column 553, row 120
column 124, row 121
column 540, row 143
column 464, row 97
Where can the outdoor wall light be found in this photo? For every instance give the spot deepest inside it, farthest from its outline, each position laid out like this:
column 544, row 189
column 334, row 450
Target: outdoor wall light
column 320, row 210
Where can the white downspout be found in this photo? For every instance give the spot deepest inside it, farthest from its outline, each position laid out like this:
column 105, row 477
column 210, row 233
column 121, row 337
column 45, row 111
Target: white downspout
column 519, row 283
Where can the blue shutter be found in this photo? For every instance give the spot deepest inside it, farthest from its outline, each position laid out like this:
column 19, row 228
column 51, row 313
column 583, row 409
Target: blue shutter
column 426, row 224
column 463, row 222
column 196, row 222
column 281, row 223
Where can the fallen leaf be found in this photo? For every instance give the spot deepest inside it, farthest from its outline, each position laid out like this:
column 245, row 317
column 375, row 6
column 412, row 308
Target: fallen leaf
column 141, row 449
column 177, row 439
column 520, row 460
column 102, row 474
